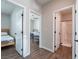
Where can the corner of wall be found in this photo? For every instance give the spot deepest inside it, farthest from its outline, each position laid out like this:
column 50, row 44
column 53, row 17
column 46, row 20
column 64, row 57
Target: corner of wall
column 51, row 50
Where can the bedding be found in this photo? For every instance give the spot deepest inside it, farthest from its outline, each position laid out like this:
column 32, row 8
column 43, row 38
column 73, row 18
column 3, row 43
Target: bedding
column 6, row 38
column 35, row 35
column 4, row 33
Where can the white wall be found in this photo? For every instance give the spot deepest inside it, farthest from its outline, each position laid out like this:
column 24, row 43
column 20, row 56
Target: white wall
column 31, row 25
column 47, row 21
column 28, row 5
column 5, row 21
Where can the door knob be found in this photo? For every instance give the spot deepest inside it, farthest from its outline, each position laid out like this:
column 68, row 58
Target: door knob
column 15, row 33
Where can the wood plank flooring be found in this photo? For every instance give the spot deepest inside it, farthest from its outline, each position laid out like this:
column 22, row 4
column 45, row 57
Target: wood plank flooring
column 37, row 53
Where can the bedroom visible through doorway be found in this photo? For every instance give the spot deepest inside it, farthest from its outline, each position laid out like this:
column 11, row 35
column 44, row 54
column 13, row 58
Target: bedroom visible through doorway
column 11, row 30
column 35, row 31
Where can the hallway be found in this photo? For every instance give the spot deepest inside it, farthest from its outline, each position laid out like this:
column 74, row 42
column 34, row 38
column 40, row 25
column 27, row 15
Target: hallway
column 38, row 53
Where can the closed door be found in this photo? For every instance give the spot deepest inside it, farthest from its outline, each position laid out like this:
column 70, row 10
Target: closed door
column 18, row 33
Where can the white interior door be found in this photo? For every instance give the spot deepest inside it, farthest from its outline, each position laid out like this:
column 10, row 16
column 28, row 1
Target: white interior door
column 76, row 28
column 18, row 33
column 57, row 31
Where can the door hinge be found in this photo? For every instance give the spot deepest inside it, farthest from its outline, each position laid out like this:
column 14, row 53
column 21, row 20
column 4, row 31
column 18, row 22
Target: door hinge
column 75, row 33
column 54, row 31
column 55, row 46
column 21, row 49
column 61, row 43
column 75, row 55
column 55, row 17
column 76, row 40
column 22, row 14
column 75, row 11
column 22, row 32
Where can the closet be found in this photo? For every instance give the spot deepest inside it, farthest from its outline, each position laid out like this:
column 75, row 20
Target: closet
column 62, row 28
column 66, row 28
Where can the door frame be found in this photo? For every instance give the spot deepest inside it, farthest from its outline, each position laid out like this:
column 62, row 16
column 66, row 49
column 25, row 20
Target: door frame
column 23, row 18
column 73, row 27
column 31, row 10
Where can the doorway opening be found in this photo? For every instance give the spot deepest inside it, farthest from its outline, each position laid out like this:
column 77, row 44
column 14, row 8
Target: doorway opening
column 63, row 31
column 11, row 30
column 35, row 31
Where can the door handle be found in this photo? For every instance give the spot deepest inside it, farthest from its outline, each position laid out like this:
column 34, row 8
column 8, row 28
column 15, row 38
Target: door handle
column 15, row 33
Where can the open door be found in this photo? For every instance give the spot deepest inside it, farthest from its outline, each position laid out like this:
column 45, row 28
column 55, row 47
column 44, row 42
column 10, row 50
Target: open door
column 76, row 30
column 57, row 31
column 19, row 32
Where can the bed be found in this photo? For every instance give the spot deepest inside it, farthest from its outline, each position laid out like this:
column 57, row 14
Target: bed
column 6, row 39
column 35, row 35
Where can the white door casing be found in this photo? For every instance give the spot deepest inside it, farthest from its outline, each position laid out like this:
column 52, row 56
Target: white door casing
column 74, row 45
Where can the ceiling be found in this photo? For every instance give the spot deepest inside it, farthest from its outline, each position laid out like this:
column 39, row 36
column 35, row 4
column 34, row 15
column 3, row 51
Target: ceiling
column 66, row 11
column 7, row 7
column 42, row 2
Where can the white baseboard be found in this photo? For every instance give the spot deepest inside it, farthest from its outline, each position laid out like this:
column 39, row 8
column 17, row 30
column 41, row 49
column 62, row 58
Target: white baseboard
column 26, row 54
column 51, row 50
column 67, row 45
